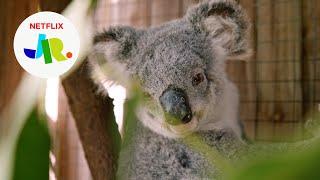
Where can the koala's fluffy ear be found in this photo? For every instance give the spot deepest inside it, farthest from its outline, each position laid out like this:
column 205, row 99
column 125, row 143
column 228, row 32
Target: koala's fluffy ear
column 117, row 43
column 112, row 55
column 226, row 24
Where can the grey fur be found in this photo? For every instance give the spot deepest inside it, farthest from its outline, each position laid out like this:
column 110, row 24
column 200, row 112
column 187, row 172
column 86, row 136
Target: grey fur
column 170, row 55
column 156, row 157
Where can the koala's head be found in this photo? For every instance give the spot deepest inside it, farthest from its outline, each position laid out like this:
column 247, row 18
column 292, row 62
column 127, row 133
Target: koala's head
column 180, row 65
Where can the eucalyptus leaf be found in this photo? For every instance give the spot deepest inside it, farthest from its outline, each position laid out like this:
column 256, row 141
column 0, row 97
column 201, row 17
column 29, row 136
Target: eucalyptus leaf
column 32, row 150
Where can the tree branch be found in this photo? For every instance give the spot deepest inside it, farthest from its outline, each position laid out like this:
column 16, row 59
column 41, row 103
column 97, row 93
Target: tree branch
column 95, row 122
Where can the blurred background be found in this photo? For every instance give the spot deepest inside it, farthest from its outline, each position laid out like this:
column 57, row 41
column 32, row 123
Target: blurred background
column 279, row 85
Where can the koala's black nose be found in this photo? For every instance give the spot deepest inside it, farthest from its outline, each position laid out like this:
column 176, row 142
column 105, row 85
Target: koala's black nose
column 176, row 107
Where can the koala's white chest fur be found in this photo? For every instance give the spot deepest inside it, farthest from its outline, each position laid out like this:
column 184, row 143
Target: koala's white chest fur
column 226, row 116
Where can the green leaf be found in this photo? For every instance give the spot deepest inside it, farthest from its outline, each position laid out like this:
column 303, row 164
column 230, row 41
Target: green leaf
column 285, row 166
column 32, row 150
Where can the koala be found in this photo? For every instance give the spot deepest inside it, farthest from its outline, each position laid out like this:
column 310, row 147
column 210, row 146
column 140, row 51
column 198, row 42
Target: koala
column 180, row 67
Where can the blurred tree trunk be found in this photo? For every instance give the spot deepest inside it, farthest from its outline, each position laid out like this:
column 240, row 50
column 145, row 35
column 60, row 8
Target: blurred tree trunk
column 12, row 13
column 95, row 123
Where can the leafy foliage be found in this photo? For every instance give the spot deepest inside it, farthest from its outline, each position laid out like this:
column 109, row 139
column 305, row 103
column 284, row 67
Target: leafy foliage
column 298, row 165
column 32, row 150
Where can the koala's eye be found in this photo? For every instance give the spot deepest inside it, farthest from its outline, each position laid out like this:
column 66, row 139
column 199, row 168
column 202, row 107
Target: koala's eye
column 197, row 79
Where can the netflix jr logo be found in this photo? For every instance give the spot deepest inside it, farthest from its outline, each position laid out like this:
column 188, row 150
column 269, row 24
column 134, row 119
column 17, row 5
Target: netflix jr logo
column 48, row 48
column 46, row 44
